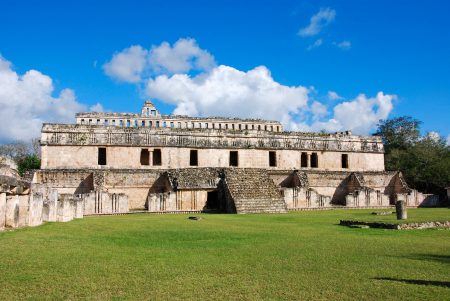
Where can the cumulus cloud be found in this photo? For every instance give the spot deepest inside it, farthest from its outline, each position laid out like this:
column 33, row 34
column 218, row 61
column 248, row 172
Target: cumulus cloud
column 133, row 63
column 316, row 44
column 226, row 91
column 318, row 110
column 360, row 115
column 317, row 22
column 128, row 64
column 334, row 96
column 27, row 101
column 344, row 45
column 183, row 56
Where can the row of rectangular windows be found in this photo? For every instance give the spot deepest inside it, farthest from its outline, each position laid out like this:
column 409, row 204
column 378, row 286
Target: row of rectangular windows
column 313, row 159
column 171, row 124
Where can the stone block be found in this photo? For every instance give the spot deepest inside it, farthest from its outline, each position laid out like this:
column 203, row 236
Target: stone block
column 123, row 203
column 24, row 208
column 2, row 210
column 65, row 208
column 78, row 210
column 12, row 211
column 35, row 209
column 49, row 211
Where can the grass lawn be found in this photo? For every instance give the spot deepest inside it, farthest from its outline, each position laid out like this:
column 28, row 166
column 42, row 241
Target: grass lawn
column 295, row 256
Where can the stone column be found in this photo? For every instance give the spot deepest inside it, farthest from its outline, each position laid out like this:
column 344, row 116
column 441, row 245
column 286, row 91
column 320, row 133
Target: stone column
column 400, row 207
column 12, row 211
column 2, row 210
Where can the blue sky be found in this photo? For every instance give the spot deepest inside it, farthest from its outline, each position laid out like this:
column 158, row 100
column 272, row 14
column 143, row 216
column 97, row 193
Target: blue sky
column 399, row 48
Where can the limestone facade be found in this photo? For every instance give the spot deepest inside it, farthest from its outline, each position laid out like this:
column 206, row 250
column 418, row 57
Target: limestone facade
column 116, row 162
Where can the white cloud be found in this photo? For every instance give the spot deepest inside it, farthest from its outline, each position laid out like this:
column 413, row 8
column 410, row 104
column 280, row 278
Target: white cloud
column 27, row 101
column 183, row 56
column 360, row 115
column 344, row 45
column 318, row 110
column 96, row 108
column 316, row 44
column 132, row 63
column 334, row 96
column 226, row 91
column 128, row 64
column 229, row 92
column 318, row 21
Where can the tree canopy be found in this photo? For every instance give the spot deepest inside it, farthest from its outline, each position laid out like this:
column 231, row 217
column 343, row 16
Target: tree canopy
column 423, row 160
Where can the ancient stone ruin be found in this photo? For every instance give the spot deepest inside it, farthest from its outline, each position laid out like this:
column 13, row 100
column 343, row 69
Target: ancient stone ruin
column 113, row 163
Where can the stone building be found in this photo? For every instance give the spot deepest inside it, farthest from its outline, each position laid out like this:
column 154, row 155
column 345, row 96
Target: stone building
column 164, row 163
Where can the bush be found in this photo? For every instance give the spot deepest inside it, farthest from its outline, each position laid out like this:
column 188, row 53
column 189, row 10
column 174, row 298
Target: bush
column 28, row 162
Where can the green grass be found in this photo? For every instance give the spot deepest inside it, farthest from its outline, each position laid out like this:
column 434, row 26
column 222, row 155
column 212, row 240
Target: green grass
column 296, row 256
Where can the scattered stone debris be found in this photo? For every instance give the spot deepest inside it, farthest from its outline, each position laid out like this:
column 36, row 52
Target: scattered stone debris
column 195, row 218
column 405, row 226
column 383, row 213
column 359, row 226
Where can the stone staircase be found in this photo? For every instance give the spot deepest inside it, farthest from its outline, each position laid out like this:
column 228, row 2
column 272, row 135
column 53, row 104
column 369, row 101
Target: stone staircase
column 253, row 191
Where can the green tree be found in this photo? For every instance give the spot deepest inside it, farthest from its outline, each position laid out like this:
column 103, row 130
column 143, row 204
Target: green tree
column 423, row 160
column 28, row 162
column 399, row 133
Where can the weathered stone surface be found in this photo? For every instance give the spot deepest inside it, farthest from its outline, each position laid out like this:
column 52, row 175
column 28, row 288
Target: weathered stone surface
column 2, row 210
column 12, row 211
column 404, row 226
column 99, row 202
column 65, row 208
column 400, row 207
column 252, row 191
column 35, row 209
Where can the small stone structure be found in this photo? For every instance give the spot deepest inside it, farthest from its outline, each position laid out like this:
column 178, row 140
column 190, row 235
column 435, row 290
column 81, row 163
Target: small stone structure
column 25, row 204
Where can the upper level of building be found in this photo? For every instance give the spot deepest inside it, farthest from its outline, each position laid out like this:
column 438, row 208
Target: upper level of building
column 151, row 118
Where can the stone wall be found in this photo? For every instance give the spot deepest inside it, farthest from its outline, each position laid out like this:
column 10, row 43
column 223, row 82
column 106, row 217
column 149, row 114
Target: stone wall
column 128, row 157
column 100, row 202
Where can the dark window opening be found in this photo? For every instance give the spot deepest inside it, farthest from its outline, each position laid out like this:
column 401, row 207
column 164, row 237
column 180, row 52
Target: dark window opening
column 234, row 158
column 272, row 159
column 101, row 156
column 344, row 161
column 240, row 127
column 157, row 157
column 304, row 160
column 193, row 158
column 145, row 157
column 314, row 160
column 212, row 201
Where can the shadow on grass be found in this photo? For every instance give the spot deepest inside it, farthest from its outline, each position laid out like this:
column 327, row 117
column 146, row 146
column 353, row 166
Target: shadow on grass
column 428, row 257
column 415, row 281
column 432, row 257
